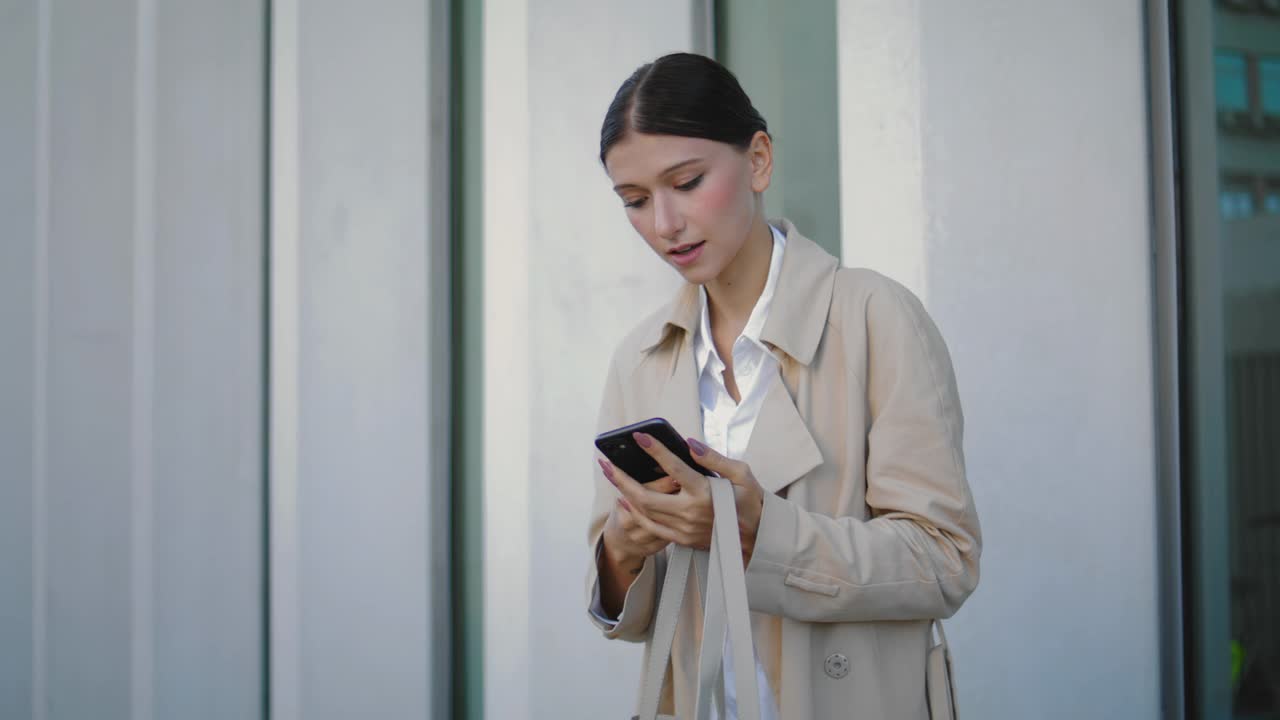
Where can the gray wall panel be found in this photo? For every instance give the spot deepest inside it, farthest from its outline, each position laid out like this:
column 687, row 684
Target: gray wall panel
column 356, row 637
column 90, row 345
column 363, row 472
column 131, row 573
column 210, row 204
column 139, row 591
column 18, row 59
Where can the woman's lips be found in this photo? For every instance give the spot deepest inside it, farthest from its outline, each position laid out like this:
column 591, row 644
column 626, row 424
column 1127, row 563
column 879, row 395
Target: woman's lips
column 689, row 256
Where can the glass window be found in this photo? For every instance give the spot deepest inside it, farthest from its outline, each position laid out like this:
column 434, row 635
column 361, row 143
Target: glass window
column 1236, row 203
column 1269, row 84
column 1271, row 197
column 763, row 43
column 1231, row 80
column 1230, row 362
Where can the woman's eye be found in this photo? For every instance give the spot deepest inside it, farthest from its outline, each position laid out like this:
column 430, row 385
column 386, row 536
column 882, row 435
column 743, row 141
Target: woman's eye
column 691, row 184
column 634, row 203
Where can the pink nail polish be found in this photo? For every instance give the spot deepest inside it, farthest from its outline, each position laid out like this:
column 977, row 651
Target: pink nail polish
column 697, row 447
column 644, row 440
column 608, row 470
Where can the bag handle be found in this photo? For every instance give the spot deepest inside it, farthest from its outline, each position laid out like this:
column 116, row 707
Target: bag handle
column 710, row 669
column 664, row 630
column 942, row 637
column 727, row 549
column 725, row 602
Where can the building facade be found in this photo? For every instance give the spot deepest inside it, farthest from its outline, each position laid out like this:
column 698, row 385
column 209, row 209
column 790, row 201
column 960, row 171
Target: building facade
column 306, row 307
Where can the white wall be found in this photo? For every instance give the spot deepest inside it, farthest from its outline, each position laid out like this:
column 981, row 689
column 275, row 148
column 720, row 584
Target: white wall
column 994, row 159
column 565, row 278
column 996, row 167
column 131, row 379
column 360, row 358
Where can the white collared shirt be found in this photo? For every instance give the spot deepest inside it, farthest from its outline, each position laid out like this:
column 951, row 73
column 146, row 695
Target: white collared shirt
column 727, row 426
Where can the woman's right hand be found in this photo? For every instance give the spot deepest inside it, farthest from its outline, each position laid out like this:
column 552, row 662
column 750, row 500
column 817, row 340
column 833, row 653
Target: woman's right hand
column 626, row 545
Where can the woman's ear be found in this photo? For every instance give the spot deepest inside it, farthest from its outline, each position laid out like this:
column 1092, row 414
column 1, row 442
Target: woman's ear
column 760, row 155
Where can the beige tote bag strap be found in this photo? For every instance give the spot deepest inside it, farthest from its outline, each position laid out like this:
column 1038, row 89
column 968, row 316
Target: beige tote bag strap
column 664, row 630
column 942, row 636
column 709, row 669
column 726, row 555
column 940, row 677
column 725, row 602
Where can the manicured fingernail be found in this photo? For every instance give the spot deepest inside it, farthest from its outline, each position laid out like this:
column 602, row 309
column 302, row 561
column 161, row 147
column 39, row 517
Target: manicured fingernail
column 608, row 470
column 697, row 447
column 644, row 440
column 625, row 505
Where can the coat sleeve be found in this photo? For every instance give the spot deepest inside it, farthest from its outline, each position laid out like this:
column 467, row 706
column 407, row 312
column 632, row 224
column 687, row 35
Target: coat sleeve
column 632, row 624
column 917, row 556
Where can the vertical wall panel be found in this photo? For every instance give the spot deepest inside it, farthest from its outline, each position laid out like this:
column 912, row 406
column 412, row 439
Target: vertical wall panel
column 208, row 365
column 131, row 321
column 19, row 58
column 88, row 524
column 565, row 278
column 1003, row 173
column 358, row 492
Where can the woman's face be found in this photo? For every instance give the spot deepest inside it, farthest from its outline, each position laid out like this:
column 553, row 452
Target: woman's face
column 693, row 200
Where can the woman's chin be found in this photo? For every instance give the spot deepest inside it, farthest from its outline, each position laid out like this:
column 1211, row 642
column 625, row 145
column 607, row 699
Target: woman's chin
column 699, row 273
column 697, row 276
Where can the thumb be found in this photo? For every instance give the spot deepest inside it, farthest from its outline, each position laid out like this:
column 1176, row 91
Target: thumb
column 714, row 461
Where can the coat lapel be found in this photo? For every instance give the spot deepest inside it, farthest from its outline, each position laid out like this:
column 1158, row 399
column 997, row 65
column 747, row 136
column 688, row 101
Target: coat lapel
column 679, row 402
column 781, row 449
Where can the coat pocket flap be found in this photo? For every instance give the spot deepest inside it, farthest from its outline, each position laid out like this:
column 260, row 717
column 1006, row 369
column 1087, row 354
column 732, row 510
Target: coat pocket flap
column 802, row 583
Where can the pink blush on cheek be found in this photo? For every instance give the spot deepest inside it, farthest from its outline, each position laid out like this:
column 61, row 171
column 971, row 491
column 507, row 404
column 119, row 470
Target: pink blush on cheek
column 718, row 194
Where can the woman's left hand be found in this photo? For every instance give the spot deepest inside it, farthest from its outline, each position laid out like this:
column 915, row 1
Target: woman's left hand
column 685, row 516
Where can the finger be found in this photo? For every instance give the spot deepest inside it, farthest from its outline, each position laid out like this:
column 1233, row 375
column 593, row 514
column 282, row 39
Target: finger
column 624, row 512
column 655, row 529
column 640, row 498
column 620, row 480
column 735, row 471
column 629, row 517
column 669, row 461
column 667, row 528
column 693, row 519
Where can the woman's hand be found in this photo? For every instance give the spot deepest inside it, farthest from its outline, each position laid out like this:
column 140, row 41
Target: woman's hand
column 685, row 516
column 626, row 540
column 626, row 544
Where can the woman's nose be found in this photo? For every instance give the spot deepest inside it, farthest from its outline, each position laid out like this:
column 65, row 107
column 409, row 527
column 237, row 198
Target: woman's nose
column 667, row 222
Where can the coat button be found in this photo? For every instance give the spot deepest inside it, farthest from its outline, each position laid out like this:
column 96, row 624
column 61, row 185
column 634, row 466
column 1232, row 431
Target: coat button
column 837, row 666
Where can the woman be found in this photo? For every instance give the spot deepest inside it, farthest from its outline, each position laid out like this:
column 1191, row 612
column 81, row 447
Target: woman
column 824, row 394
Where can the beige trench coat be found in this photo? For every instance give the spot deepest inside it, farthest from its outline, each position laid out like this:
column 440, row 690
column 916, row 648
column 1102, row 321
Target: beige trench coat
column 869, row 529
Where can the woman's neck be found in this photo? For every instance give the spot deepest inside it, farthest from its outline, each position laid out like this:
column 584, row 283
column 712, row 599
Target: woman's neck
column 733, row 294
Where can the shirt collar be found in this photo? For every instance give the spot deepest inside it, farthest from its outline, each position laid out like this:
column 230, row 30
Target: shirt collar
column 798, row 313
column 703, row 347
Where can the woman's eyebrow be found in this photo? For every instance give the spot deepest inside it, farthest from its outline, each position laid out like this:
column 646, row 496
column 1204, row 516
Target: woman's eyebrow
column 668, row 171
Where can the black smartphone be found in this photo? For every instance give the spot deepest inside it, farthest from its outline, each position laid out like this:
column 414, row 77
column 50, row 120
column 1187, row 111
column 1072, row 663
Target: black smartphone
column 623, row 452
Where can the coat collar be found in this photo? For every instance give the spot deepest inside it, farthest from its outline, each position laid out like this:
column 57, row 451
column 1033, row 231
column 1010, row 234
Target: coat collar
column 796, row 321
column 800, row 304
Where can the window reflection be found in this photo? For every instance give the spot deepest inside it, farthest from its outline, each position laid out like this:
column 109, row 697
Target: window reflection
column 1245, row 304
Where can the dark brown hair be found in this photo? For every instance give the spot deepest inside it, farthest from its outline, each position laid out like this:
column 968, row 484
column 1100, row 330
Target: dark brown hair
column 682, row 94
